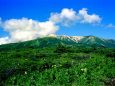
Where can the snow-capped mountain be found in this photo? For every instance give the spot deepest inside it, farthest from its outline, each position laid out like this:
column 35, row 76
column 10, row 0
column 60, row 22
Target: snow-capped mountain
column 65, row 37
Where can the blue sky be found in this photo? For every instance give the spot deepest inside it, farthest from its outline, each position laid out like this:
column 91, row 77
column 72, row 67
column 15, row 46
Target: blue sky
column 40, row 10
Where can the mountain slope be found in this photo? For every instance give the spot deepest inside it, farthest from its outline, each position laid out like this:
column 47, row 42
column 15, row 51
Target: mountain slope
column 54, row 40
column 98, row 41
column 67, row 38
column 90, row 40
column 37, row 43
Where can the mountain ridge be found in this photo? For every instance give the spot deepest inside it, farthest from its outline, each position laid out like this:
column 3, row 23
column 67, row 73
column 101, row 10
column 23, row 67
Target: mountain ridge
column 79, row 38
column 54, row 40
column 53, row 35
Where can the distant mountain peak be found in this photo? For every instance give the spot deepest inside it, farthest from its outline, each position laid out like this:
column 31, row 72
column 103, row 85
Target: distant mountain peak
column 65, row 37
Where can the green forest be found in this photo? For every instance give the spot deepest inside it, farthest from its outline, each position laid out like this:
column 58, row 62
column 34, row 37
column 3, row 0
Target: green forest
column 57, row 66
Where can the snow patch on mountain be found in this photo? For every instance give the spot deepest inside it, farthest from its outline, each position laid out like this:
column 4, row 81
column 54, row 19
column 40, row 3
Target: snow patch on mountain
column 65, row 37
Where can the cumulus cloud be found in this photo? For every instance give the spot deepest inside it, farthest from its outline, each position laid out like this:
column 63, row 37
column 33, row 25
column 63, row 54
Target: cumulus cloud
column 66, row 17
column 110, row 26
column 27, row 29
column 69, row 17
column 86, row 18
column 4, row 40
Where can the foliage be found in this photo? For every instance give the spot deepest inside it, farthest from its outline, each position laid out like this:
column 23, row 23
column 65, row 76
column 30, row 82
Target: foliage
column 86, row 42
column 57, row 66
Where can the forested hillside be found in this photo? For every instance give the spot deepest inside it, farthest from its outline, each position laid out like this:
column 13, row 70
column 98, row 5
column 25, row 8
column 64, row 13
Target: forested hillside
column 86, row 42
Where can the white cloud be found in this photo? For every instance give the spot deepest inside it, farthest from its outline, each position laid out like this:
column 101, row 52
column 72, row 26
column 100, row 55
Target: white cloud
column 27, row 29
column 69, row 17
column 66, row 17
column 88, row 18
column 110, row 26
column 4, row 40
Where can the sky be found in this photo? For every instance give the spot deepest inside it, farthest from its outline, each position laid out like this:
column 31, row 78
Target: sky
column 22, row 20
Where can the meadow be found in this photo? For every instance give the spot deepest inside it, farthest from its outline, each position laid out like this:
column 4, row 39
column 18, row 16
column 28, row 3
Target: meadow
column 57, row 66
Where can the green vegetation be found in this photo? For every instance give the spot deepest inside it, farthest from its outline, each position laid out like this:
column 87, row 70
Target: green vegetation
column 57, row 66
column 95, row 41
column 37, row 43
column 86, row 42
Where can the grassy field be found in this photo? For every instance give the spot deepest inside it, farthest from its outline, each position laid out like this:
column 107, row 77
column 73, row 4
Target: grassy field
column 58, row 66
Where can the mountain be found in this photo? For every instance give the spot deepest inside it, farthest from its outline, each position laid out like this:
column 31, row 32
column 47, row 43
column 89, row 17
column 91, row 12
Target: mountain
column 41, row 43
column 54, row 40
column 69, row 38
column 92, row 40
column 89, row 40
